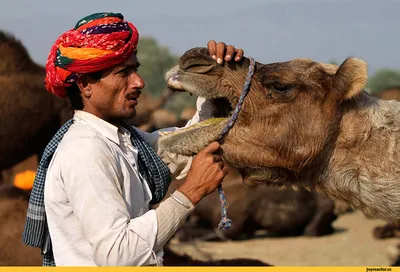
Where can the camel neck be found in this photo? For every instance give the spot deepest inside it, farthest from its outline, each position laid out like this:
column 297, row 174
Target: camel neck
column 364, row 164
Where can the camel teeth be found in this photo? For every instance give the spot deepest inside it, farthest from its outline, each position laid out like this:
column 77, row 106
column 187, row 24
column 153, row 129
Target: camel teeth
column 164, row 133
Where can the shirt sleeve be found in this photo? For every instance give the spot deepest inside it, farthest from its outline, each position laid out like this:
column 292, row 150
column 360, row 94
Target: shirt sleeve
column 179, row 165
column 91, row 180
column 205, row 110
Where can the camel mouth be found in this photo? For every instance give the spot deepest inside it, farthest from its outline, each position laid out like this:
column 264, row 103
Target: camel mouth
column 188, row 141
column 223, row 106
column 191, row 139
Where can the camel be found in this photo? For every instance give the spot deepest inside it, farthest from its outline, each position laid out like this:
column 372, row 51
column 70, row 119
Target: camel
column 147, row 106
column 391, row 229
column 162, row 118
column 303, row 124
column 389, row 94
column 173, row 259
column 279, row 212
column 30, row 115
column 13, row 208
column 159, row 118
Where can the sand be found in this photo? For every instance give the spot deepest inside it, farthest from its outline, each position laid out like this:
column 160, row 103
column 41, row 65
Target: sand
column 352, row 244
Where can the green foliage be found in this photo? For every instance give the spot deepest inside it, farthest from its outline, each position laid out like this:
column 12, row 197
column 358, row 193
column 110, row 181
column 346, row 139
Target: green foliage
column 384, row 79
column 155, row 61
column 333, row 61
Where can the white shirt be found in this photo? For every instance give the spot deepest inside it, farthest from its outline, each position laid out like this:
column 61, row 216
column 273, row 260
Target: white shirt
column 96, row 202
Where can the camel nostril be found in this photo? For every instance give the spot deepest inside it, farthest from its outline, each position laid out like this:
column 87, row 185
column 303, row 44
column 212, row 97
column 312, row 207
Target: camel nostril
column 174, row 78
column 174, row 83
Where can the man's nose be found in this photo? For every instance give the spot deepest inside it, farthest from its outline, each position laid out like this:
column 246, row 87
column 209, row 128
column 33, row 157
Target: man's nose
column 136, row 81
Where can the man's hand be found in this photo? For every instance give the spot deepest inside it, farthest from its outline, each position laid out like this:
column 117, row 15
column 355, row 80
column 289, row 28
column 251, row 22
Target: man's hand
column 220, row 52
column 205, row 175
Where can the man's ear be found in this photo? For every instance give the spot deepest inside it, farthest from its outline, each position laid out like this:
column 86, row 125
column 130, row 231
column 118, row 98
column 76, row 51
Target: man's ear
column 84, row 85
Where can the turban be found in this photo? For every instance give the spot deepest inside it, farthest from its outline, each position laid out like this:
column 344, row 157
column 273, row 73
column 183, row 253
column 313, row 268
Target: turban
column 97, row 42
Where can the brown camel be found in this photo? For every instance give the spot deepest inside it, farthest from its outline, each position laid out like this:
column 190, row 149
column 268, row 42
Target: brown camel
column 160, row 118
column 30, row 115
column 280, row 212
column 13, row 208
column 303, row 123
column 389, row 94
column 391, row 229
column 147, row 106
column 173, row 259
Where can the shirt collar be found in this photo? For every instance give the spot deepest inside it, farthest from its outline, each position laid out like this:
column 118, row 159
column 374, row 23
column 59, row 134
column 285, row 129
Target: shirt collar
column 105, row 128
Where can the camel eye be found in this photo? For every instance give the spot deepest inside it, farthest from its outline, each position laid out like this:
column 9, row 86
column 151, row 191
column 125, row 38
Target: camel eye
column 281, row 88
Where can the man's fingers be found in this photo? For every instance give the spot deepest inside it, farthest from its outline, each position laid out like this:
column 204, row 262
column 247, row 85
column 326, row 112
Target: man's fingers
column 221, row 46
column 239, row 54
column 225, row 170
column 212, row 48
column 221, row 164
column 211, row 148
column 230, row 51
column 217, row 158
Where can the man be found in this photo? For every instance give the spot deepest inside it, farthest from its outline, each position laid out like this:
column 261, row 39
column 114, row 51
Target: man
column 100, row 175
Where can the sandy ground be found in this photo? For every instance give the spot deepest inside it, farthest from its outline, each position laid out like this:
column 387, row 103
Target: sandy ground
column 352, row 244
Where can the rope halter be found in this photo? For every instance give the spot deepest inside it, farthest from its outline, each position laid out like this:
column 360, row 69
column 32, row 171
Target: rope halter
column 225, row 222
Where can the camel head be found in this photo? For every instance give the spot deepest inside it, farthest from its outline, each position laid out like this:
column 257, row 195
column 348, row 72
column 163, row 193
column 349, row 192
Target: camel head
column 288, row 117
column 15, row 58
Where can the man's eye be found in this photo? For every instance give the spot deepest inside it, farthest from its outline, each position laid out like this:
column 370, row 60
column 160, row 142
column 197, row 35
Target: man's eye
column 127, row 71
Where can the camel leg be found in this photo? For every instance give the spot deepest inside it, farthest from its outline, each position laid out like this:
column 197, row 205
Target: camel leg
column 342, row 207
column 194, row 229
column 321, row 223
column 5, row 176
column 387, row 231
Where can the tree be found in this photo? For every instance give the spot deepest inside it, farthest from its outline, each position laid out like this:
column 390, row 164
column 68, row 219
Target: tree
column 155, row 61
column 384, row 79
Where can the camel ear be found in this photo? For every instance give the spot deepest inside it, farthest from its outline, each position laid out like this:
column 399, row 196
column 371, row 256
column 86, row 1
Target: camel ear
column 351, row 77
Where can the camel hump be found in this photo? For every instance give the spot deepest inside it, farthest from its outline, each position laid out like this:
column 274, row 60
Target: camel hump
column 14, row 58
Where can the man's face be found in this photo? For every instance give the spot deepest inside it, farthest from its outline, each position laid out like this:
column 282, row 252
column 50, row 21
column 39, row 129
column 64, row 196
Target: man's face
column 115, row 95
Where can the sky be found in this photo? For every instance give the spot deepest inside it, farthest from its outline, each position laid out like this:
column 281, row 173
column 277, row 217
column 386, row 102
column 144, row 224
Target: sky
column 268, row 30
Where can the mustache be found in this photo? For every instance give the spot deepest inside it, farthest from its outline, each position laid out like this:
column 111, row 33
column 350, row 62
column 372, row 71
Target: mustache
column 134, row 94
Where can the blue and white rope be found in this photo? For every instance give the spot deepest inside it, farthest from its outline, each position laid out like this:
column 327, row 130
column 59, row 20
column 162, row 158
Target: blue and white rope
column 225, row 222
